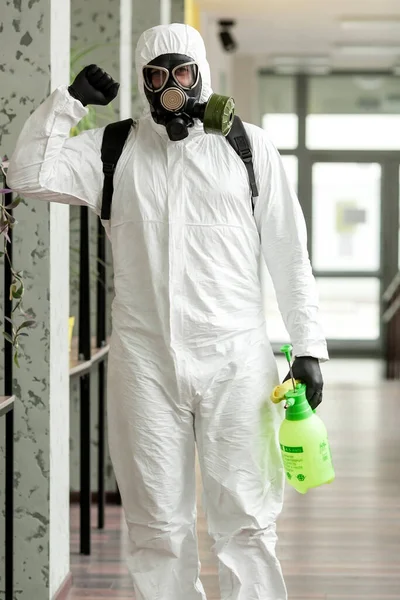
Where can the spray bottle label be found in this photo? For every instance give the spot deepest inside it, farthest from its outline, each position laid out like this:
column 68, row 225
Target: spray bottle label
column 298, row 466
column 292, row 449
column 293, row 461
column 325, row 451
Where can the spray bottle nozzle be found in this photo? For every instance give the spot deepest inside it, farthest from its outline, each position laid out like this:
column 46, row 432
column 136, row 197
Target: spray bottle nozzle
column 287, row 351
column 289, row 402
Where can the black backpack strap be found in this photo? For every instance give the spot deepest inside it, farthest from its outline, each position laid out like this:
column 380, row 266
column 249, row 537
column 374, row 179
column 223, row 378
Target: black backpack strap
column 238, row 139
column 114, row 138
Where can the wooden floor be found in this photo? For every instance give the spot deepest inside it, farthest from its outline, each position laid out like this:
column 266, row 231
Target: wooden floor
column 340, row 542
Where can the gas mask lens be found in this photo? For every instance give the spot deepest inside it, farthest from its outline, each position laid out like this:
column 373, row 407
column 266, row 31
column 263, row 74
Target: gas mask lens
column 185, row 76
column 155, row 78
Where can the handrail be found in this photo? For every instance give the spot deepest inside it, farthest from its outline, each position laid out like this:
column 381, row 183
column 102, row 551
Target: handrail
column 80, row 367
column 6, row 404
column 391, row 299
column 392, row 288
column 391, row 320
column 391, row 311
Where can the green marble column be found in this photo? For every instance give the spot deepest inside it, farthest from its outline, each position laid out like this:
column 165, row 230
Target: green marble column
column 34, row 60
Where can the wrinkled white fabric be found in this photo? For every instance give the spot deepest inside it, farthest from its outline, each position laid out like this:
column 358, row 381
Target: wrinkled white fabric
column 190, row 360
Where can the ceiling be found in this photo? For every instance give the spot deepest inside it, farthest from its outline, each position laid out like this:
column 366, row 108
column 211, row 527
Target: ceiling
column 311, row 31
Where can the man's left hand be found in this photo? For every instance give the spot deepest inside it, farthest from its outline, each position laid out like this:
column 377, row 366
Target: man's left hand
column 307, row 370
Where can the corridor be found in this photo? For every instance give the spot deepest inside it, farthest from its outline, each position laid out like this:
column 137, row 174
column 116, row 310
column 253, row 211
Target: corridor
column 203, row 237
column 340, row 542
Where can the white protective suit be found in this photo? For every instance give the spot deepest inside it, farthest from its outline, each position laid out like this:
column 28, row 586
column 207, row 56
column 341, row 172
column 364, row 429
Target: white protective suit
column 190, row 360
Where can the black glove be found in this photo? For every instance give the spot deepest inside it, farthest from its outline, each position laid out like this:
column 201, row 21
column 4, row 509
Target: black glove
column 307, row 370
column 94, row 86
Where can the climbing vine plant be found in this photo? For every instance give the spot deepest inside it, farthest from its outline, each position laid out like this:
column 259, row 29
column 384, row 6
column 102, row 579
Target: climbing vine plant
column 19, row 319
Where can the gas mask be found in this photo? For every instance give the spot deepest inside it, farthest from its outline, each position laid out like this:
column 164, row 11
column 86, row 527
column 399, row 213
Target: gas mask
column 172, row 84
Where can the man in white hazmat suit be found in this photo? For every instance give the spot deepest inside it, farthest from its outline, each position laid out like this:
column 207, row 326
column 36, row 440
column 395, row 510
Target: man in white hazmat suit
column 189, row 361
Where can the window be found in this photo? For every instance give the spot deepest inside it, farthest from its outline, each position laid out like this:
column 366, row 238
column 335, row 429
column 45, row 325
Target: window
column 278, row 110
column 346, row 225
column 353, row 113
column 349, row 307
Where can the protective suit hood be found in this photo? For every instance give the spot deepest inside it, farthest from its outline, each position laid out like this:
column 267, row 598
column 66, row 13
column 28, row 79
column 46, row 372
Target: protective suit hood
column 179, row 39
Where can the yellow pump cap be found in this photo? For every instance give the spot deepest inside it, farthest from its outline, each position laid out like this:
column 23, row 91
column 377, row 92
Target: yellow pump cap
column 278, row 393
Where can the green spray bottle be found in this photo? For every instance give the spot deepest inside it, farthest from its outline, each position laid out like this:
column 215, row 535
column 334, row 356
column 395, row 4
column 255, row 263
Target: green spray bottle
column 303, row 437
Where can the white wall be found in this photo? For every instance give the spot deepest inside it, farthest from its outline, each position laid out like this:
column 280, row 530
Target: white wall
column 245, row 88
column 232, row 74
column 221, row 62
column 59, row 312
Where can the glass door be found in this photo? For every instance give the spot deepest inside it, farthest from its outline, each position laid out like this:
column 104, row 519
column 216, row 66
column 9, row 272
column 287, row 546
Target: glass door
column 351, row 231
column 346, row 247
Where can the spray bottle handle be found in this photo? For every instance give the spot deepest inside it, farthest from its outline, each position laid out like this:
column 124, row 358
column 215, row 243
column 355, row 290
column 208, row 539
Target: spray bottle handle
column 278, row 393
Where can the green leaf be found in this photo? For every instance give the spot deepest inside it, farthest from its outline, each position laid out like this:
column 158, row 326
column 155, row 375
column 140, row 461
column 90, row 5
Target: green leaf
column 17, row 292
column 8, row 338
column 16, row 360
column 14, row 203
column 22, row 335
column 26, row 324
column 16, row 307
column 17, row 280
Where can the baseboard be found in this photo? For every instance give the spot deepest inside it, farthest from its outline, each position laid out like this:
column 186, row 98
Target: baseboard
column 64, row 588
column 111, row 497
